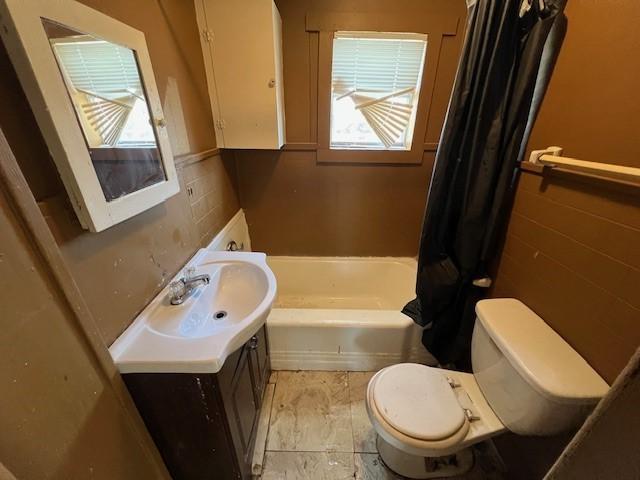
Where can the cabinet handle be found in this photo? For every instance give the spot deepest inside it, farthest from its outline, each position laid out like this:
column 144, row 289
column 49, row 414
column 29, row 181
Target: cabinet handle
column 272, row 83
column 253, row 343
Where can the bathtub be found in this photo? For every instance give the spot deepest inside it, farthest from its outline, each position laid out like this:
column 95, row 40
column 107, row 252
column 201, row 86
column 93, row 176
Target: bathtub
column 343, row 313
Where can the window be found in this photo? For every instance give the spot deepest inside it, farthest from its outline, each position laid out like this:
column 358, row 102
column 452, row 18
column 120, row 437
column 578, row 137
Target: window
column 375, row 84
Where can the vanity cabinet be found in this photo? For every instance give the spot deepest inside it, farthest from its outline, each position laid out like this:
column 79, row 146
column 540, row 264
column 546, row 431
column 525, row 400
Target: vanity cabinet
column 204, row 424
column 242, row 50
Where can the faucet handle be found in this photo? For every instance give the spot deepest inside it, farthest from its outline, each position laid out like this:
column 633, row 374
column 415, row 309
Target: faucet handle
column 176, row 291
column 233, row 246
column 189, row 273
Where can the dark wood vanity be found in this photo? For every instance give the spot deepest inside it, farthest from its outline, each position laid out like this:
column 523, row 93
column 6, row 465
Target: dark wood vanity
column 204, row 424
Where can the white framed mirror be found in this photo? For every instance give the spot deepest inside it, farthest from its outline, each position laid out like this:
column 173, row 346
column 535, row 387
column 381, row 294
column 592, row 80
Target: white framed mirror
column 89, row 81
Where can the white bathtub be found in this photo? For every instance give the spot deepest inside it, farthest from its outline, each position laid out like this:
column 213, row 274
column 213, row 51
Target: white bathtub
column 343, row 314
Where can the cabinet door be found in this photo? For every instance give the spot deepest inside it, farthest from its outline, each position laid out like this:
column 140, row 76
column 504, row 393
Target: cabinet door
column 187, row 422
column 259, row 363
column 243, row 402
column 242, row 50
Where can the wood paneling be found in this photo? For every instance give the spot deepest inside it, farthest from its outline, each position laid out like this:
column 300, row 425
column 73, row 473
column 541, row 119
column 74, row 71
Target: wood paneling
column 296, row 206
column 328, row 21
column 121, row 269
column 572, row 251
column 591, row 108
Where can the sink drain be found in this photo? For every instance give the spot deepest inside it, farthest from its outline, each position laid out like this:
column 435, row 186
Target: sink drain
column 220, row 315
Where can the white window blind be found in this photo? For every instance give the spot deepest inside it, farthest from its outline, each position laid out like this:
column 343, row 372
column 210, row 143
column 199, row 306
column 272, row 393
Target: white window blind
column 105, row 85
column 375, row 88
column 98, row 66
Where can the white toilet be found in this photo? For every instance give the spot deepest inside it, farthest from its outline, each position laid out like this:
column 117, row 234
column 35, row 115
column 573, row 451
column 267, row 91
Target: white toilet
column 526, row 379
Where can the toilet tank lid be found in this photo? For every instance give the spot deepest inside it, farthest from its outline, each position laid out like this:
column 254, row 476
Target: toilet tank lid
column 544, row 359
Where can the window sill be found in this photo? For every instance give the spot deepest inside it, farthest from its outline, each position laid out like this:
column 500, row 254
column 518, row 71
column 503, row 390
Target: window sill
column 365, row 148
column 381, row 157
column 393, row 157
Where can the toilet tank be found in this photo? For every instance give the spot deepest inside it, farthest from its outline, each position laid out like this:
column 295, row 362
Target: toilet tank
column 533, row 380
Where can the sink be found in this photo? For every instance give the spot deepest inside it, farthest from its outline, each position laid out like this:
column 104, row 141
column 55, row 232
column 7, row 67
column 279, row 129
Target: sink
column 235, row 291
column 197, row 336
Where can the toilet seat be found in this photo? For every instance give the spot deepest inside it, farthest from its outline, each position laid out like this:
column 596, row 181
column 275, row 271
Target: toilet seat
column 418, row 401
column 421, row 437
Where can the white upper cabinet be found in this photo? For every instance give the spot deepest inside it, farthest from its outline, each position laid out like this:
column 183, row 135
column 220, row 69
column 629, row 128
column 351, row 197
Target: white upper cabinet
column 242, row 48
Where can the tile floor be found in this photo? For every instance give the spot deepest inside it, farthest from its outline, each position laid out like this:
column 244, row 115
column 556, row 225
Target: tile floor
column 318, row 429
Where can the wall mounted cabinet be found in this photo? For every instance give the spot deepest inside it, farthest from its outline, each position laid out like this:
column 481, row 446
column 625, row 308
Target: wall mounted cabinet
column 242, row 49
column 90, row 84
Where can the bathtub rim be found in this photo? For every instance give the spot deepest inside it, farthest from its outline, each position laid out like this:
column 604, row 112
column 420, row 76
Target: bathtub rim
column 411, row 262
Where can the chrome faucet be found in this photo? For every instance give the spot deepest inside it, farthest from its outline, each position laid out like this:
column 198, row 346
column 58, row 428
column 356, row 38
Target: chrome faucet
column 184, row 288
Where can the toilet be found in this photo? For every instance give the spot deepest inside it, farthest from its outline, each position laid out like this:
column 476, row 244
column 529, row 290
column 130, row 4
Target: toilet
column 526, row 379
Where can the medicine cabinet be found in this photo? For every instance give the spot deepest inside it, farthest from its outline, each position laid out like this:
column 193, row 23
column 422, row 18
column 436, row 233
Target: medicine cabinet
column 90, row 84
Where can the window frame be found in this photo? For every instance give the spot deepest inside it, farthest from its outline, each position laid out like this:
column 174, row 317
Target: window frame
column 323, row 25
column 326, row 154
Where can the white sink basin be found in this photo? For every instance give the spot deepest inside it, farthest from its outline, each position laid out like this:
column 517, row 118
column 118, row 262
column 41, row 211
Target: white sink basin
column 217, row 319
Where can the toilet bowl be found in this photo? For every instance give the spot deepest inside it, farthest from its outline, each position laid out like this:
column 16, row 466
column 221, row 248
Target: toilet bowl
column 422, row 412
column 526, row 379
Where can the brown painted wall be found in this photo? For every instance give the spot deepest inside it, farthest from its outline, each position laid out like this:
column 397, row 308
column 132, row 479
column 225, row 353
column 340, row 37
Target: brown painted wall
column 121, row 269
column 59, row 415
column 572, row 251
column 296, row 206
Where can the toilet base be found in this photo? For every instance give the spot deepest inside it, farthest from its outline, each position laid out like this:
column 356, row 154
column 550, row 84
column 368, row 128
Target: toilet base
column 417, row 467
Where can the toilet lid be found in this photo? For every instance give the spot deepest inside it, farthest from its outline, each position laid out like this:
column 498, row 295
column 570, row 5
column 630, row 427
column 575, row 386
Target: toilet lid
column 418, row 401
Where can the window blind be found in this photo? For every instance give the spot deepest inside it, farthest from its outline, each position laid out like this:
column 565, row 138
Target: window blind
column 381, row 73
column 98, row 66
column 107, row 75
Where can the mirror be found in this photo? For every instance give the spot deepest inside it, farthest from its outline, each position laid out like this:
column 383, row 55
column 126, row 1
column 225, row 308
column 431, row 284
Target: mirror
column 90, row 83
column 104, row 85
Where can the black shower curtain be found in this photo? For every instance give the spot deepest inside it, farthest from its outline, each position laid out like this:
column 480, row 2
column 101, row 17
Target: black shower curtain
column 506, row 61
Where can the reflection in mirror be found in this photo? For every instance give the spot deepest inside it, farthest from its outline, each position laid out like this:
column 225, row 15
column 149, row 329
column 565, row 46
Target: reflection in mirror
column 105, row 87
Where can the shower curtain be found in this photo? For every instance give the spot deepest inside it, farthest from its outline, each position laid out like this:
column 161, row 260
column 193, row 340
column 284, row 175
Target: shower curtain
column 506, row 61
